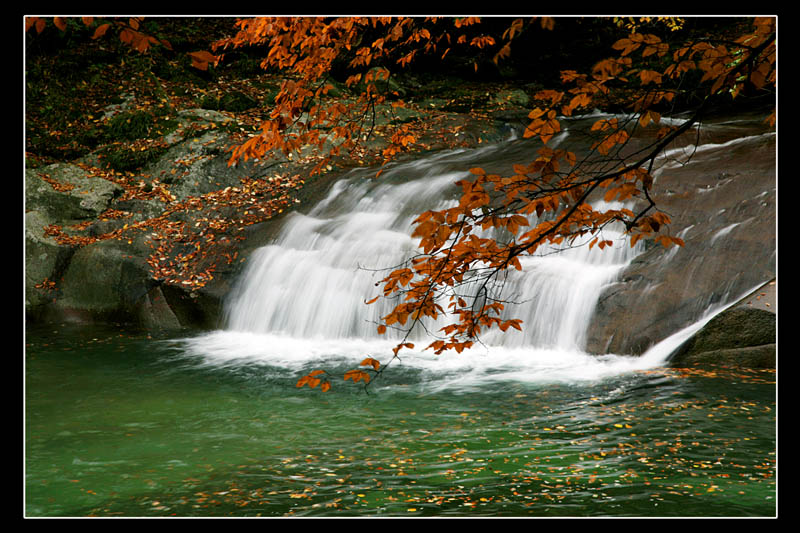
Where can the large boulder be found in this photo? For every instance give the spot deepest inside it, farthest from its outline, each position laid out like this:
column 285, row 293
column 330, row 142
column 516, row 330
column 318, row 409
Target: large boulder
column 741, row 336
column 56, row 195
column 45, row 261
column 723, row 205
column 105, row 282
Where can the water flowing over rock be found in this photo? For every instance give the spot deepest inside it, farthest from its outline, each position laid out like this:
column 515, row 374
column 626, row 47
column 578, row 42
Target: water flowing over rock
column 720, row 191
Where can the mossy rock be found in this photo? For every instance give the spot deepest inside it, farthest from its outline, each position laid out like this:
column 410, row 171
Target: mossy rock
column 234, row 102
column 741, row 336
column 123, row 158
column 130, row 126
column 133, row 125
column 736, row 328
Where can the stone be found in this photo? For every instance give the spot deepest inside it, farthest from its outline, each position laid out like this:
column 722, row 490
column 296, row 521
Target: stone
column 45, row 260
column 753, row 357
column 723, row 205
column 119, row 277
column 742, row 336
column 70, row 194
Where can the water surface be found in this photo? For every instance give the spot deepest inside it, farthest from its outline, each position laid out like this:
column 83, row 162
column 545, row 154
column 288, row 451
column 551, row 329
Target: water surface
column 120, row 425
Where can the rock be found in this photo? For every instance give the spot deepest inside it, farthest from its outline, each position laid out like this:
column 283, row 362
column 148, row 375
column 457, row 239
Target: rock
column 515, row 97
column 723, row 205
column 105, row 281
column 127, row 102
column 736, row 328
column 741, row 336
column 45, row 260
column 68, row 192
column 155, row 314
column 764, row 356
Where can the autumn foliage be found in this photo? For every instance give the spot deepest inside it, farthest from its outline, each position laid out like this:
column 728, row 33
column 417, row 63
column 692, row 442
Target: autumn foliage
column 308, row 49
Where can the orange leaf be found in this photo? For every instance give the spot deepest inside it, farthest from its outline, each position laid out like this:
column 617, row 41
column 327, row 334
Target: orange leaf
column 536, row 113
column 649, row 116
column 356, row 376
column 101, row 30
column 369, row 361
column 648, row 76
column 201, row 59
column 60, row 23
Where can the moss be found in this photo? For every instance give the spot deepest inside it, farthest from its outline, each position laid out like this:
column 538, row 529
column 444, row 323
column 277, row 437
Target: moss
column 130, row 126
column 139, row 125
column 123, row 158
column 233, row 101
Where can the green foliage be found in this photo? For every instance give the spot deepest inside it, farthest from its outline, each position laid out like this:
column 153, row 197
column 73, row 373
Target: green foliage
column 130, row 126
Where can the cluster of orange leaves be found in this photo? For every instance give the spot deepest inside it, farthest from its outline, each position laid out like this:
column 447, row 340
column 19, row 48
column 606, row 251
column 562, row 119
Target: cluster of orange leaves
column 317, row 376
column 306, row 48
column 129, row 30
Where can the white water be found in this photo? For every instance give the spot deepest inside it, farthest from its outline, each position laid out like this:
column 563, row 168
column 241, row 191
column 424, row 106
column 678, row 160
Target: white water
column 301, row 300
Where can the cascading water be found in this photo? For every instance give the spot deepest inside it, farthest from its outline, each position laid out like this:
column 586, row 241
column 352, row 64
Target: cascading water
column 312, row 282
column 302, row 298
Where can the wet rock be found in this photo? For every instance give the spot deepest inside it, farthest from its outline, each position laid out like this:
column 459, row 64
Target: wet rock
column 740, row 336
column 723, row 205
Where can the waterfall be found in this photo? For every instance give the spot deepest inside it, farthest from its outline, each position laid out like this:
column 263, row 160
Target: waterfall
column 300, row 303
column 313, row 280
